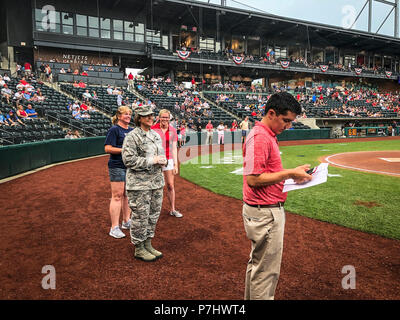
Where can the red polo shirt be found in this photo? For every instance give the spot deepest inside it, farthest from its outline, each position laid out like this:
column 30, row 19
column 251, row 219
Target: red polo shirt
column 261, row 154
column 167, row 138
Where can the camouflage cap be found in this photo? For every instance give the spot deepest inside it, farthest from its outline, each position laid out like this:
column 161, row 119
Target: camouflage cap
column 143, row 110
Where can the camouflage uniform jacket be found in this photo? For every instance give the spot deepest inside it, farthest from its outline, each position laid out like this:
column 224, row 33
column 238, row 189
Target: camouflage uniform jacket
column 138, row 151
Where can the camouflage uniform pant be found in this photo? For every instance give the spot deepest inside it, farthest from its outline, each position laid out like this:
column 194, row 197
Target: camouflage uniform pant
column 146, row 207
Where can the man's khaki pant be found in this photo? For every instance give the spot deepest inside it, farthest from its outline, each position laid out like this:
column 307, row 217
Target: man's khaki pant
column 265, row 228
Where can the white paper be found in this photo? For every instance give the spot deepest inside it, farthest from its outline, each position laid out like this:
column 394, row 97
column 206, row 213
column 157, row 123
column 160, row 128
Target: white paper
column 320, row 175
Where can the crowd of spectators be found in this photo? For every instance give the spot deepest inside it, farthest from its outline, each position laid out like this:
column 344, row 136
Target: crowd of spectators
column 343, row 101
column 192, row 108
column 24, row 94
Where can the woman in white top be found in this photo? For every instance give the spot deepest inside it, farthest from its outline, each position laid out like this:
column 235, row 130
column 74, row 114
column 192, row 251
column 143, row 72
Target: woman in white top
column 221, row 133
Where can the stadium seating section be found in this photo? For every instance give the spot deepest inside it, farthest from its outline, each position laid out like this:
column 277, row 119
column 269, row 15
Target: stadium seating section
column 55, row 119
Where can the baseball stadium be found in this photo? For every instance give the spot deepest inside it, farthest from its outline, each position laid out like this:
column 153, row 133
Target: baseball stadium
column 67, row 68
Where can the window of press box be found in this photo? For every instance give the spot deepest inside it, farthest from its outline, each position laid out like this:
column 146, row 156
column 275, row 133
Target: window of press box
column 81, row 20
column 67, row 18
column 118, row 25
column 139, row 28
column 105, row 23
column 94, row 33
column 105, row 34
column 153, row 36
column 118, row 35
column 81, row 31
column 47, row 20
column 94, row 22
column 67, row 29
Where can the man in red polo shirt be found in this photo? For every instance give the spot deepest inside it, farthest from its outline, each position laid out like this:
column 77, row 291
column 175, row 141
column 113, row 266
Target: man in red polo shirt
column 169, row 139
column 263, row 180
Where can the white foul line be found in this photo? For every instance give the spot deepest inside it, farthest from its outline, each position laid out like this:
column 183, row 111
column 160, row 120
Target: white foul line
column 391, row 159
column 354, row 168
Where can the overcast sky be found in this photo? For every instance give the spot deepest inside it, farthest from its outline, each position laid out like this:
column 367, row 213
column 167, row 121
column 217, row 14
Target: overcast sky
column 340, row 13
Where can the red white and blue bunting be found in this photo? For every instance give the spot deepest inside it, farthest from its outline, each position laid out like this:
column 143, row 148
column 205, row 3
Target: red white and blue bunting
column 324, row 68
column 238, row 59
column 388, row 74
column 357, row 71
column 183, row 54
column 285, row 64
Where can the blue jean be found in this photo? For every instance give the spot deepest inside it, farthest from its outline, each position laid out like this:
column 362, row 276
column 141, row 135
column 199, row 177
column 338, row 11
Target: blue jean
column 117, row 174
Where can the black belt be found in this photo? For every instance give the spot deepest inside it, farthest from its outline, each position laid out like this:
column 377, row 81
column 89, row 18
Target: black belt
column 274, row 205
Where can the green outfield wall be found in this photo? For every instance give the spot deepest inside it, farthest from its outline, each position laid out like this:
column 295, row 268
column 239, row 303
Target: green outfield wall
column 20, row 158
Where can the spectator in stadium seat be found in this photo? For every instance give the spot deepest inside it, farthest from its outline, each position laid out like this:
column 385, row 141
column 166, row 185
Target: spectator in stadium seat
column 76, row 84
column 83, row 107
column 31, row 112
column 6, row 92
column 84, row 73
column 76, row 72
column 77, row 135
column 23, row 82
column 3, row 120
column 117, row 171
column 86, row 95
column 81, row 84
column 13, row 119
column 62, row 71
column 69, row 135
column 76, row 113
column 94, row 95
column 119, row 100
column 21, row 112
column 40, row 96
column 6, row 78
column 26, row 95
column 109, row 90
column 75, row 105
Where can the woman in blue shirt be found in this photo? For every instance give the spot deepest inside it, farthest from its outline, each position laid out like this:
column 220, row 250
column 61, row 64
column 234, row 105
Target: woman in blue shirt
column 117, row 170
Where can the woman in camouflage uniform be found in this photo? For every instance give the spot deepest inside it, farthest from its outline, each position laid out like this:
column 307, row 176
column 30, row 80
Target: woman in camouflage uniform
column 143, row 155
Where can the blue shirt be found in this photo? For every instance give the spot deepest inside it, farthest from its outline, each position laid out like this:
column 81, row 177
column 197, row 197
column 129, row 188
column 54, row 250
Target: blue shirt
column 115, row 138
column 30, row 113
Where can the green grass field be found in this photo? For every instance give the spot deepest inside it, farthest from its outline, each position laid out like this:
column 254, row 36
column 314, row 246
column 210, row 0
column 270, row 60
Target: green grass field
column 334, row 201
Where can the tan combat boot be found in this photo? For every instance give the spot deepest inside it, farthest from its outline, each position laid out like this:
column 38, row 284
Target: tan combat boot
column 142, row 254
column 149, row 248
